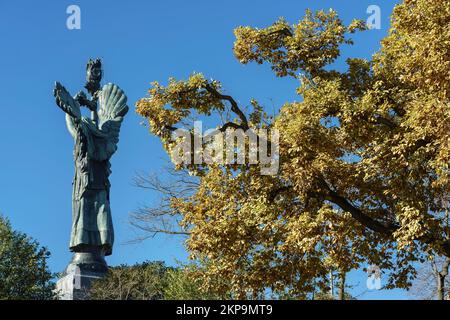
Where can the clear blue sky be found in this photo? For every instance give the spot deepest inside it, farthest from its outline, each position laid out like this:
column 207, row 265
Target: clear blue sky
column 139, row 41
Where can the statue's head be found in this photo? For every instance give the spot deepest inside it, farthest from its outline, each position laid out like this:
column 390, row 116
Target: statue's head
column 93, row 75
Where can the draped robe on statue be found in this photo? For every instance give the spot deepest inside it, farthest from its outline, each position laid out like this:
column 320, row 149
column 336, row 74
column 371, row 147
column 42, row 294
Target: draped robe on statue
column 91, row 213
column 95, row 143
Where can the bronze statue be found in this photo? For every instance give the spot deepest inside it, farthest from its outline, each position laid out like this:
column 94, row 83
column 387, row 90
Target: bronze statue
column 96, row 139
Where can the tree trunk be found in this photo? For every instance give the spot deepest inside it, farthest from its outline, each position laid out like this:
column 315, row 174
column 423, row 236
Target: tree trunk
column 440, row 279
column 331, row 285
column 440, row 288
column 341, row 294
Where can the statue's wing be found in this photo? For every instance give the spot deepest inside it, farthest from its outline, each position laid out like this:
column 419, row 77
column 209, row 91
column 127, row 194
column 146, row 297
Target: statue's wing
column 113, row 103
column 65, row 101
column 112, row 108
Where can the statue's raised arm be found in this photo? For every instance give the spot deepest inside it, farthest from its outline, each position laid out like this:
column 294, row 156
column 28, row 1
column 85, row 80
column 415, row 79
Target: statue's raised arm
column 65, row 101
column 70, row 106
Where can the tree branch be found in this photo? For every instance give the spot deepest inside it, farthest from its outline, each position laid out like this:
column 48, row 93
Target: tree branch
column 284, row 31
column 231, row 125
column 234, row 105
column 170, row 128
column 385, row 121
column 374, row 225
column 384, row 228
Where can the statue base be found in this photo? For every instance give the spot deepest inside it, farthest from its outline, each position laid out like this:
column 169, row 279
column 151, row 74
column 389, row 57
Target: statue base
column 86, row 266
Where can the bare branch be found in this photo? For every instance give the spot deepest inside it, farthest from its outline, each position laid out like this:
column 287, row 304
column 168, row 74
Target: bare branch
column 162, row 217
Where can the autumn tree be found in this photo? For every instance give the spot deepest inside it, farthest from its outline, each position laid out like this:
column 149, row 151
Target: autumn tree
column 24, row 271
column 363, row 157
column 186, row 283
column 162, row 218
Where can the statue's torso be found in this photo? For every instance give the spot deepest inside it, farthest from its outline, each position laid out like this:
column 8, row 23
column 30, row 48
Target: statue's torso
column 91, row 171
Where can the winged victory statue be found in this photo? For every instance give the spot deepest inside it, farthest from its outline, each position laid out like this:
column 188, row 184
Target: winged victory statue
column 96, row 138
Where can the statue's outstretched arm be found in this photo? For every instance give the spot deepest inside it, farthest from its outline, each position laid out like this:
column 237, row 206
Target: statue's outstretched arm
column 65, row 101
column 70, row 106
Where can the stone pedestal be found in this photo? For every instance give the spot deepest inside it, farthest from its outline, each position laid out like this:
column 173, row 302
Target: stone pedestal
column 85, row 267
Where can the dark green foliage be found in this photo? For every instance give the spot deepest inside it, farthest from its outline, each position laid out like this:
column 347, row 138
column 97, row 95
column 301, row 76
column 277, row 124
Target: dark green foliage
column 144, row 281
column 149, row 281
column 24, row 273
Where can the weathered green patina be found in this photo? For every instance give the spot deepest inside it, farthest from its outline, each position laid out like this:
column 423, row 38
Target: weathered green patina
column 96, row 141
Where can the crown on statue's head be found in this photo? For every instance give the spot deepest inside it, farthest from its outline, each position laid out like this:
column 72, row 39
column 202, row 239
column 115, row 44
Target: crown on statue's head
column 93, row 64
column 93, row 75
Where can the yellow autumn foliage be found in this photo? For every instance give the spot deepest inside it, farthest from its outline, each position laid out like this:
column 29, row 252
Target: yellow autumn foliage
column 364, row 175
